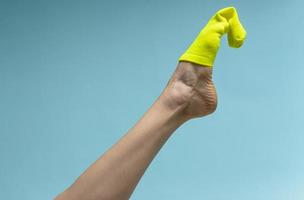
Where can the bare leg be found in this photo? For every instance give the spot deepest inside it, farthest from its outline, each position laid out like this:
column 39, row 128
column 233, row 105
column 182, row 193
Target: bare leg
column 190, row 93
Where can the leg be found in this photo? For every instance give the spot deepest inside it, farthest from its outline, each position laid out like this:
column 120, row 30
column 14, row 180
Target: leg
column 190, row 93
column 115, row 174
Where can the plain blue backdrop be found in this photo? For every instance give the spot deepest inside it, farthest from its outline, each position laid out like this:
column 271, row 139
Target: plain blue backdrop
column 76, row 75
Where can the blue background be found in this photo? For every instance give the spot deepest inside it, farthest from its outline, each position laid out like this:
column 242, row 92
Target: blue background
column 76, row 75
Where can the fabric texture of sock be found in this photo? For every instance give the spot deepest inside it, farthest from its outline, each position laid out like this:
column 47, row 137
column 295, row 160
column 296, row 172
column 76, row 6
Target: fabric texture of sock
column 204, row 48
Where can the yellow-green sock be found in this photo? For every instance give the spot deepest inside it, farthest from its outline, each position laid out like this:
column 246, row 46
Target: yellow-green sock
column 204, row 48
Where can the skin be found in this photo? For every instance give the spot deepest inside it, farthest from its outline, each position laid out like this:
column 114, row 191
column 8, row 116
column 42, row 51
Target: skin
column 189, row 94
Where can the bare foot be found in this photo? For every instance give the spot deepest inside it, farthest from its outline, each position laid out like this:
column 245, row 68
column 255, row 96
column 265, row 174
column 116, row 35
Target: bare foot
column 191, row 90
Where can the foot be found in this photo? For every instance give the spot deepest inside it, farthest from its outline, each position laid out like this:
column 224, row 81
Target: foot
column 191, row 90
